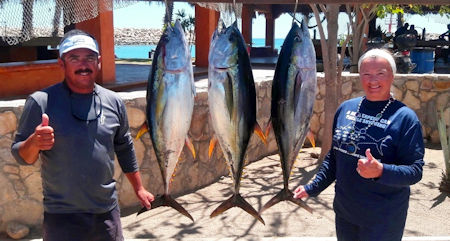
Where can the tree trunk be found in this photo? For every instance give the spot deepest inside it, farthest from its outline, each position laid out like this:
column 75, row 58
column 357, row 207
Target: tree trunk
column 399, row 20
column 329, row 55
column 169, row 12
column 444, row 136
column 359, row 18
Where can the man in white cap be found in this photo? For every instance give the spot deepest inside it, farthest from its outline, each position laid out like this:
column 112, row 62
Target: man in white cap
column 76, row 127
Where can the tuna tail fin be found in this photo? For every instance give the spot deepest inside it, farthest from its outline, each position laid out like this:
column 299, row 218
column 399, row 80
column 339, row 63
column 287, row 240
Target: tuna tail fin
column 260, row 133
column 212, row 144
column 310, row 136
column 168, row 201
column 285, row 195
column 190, row 146
column 142, row 130
column 237, row 201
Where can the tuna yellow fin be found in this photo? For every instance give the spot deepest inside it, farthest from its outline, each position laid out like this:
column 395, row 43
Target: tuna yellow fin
column 258, row 131
column 310, row 136
column 142, row 130
column 190, row 146
column 212, row 144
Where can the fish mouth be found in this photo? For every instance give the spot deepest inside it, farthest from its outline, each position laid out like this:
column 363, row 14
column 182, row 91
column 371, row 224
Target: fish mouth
column 174, row 71
column 225, row 68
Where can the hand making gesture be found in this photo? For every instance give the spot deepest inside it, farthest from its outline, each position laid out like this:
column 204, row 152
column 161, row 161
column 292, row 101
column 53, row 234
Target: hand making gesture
column 369, row 167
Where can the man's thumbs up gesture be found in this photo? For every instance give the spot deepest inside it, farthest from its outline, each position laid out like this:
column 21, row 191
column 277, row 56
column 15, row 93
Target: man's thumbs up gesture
column 41, row 140
column 369, row 167
column 44, row 137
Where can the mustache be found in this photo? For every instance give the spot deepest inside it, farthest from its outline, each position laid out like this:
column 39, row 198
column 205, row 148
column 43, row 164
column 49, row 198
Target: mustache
column 89, row 71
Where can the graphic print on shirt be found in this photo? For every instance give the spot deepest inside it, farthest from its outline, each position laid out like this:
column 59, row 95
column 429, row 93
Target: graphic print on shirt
column 354, row 138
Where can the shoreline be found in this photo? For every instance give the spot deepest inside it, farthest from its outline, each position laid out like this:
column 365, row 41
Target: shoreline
column 122, row 36
column 136, row 36
column 127, row 36
column 141, row 36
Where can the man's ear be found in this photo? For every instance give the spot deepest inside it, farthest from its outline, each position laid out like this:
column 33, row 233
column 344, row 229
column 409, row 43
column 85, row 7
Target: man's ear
column 99, row 62
column 61, row 63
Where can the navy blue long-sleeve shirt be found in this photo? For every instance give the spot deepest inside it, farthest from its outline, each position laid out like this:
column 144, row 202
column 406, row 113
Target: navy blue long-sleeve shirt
column 395, row 140
column 77, row 173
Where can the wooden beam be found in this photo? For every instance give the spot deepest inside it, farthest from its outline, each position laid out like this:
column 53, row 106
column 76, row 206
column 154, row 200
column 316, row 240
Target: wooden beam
column 247, row 24
column 23, row 78
column 417, row 2
column 266, row 8
column 38, row 41
column 102, row 28
column 206, row 20
column 270, row 30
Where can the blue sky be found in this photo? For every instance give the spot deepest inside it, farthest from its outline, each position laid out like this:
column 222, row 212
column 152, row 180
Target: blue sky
column 137, row 16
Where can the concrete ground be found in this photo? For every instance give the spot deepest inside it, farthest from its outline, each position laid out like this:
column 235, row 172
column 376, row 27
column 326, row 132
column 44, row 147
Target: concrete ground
column 427, row 217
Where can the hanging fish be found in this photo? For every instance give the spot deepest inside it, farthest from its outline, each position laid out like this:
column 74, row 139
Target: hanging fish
column 293, row 96
column 232, row 106
column 170, row 103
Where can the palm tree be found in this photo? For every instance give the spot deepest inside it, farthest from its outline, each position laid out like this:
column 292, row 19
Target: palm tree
column 169, row 12
column 187, row 23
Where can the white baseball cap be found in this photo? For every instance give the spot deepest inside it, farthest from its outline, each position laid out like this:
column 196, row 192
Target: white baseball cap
column 78, row 42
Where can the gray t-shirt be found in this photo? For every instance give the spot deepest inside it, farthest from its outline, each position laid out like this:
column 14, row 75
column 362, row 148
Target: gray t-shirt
column 77, row 173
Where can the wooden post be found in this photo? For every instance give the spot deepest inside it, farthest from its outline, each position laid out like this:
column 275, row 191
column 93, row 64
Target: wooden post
column 102, row 29
column 247, row 14
column 270, row 27
column 205, row 25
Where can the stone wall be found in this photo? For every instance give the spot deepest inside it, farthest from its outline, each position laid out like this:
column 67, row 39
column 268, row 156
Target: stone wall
column 424, row 93
column 21, row 190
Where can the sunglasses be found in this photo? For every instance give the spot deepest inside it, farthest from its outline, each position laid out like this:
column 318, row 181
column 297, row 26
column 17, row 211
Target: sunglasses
column 86, row 108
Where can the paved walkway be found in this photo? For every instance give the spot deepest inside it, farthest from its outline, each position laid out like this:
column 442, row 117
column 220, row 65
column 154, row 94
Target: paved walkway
column 427, row 216
column 429, row 238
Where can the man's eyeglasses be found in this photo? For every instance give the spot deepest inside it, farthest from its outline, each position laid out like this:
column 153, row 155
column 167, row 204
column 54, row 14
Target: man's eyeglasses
column 84, row 108
column 74, row 59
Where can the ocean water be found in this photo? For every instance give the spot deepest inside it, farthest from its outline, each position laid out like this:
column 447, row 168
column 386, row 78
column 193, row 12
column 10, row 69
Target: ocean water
column 141, row 51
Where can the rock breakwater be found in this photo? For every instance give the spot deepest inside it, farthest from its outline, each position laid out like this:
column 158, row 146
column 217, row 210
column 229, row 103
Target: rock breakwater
column 136, row 36
column 122, row 36
column 141, row 36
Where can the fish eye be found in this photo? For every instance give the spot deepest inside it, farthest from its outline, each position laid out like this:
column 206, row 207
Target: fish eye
column 232, row 38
